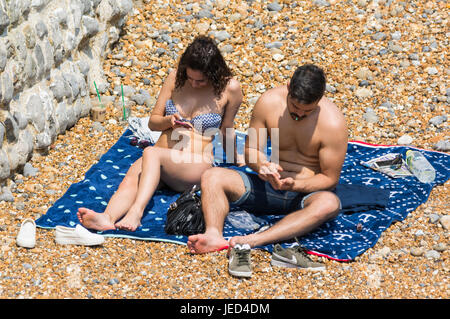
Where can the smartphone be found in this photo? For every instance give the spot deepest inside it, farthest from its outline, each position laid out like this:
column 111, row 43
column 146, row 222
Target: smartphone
column 185, row 124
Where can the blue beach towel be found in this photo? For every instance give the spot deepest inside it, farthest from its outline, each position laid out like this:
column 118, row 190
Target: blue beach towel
column 343, row 238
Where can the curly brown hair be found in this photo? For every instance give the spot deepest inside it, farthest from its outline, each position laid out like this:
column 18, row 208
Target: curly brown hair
column 204, row 55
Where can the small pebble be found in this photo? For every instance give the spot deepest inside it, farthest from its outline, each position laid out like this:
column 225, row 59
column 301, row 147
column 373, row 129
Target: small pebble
column 433, row 254
column 417, row 251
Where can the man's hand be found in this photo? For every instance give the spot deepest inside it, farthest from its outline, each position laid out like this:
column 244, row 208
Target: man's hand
column 287, row 184
column 270, row 172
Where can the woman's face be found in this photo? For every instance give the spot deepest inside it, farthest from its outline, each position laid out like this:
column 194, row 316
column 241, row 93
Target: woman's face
column 196, row 78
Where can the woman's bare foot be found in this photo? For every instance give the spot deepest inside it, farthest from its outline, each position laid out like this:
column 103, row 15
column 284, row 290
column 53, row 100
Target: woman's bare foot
column 93, row 220
column 206, row 243
column 131, row 221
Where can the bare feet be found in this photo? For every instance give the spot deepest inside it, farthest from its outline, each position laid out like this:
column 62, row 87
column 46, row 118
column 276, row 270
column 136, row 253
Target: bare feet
column 206, row 243
column 238, row 240
column 131, row 221
column 92, row 220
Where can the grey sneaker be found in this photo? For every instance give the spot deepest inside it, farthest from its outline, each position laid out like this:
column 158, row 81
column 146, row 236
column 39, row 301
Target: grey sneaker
column 239, row 261
column 294, row 257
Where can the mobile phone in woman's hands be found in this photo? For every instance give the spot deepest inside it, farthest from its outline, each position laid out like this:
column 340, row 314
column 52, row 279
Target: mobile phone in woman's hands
column 183, row 123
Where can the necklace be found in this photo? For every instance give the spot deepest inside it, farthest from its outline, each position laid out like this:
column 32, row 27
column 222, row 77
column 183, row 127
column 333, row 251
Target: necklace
column 295, row 117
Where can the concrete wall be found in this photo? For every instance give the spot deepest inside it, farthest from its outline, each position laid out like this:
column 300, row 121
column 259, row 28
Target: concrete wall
column 51, row 52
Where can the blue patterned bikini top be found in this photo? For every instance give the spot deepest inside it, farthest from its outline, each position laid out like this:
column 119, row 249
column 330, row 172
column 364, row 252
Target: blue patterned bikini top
column 202, row 121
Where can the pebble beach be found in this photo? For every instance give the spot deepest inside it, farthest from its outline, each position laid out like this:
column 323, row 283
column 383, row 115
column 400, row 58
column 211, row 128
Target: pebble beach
column 387, row 69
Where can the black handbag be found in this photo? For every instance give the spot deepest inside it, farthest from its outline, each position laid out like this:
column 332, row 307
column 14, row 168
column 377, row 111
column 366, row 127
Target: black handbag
column 185, row 216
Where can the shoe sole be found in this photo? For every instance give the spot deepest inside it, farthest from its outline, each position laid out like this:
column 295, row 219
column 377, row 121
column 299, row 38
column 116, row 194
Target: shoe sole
column 68, row 241
column 25, row 245
column 240, row 273
column 279, row 263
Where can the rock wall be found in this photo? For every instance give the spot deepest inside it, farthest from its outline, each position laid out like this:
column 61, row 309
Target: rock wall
column 51, row 53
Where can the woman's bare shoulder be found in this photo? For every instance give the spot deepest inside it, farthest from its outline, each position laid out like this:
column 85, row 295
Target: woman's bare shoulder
column 233, row 86
column 172, row 75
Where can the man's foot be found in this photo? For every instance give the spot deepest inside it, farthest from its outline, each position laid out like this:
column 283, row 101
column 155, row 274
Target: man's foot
column 242, row 240
column 93, row 220
column 131, row 221
column 206, row 243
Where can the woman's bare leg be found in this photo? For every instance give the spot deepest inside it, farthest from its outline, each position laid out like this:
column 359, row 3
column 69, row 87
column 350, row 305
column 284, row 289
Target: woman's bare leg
column 159, row 165
column 148, row 182
column 118, row 205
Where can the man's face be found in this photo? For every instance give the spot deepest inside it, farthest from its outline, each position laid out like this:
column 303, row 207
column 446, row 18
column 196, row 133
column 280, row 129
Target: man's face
column 196, row 78
column 299, row 111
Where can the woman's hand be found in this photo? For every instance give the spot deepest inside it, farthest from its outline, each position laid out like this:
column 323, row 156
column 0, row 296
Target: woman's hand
column 176, row 121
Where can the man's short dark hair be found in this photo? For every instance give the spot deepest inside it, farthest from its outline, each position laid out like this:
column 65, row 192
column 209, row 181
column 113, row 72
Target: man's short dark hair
column 307, row 85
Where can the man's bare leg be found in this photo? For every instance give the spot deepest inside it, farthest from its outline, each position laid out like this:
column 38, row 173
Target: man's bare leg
column 219, row 186
column 118, row 205
column 319, row 208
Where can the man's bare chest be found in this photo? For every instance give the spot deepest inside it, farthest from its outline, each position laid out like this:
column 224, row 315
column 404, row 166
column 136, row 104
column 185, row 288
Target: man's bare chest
column 301, row 138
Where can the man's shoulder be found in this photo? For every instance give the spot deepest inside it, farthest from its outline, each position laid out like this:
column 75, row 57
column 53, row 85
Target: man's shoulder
column 332, row 118
column 324, row 101
column 273, row 96
column 331, row 109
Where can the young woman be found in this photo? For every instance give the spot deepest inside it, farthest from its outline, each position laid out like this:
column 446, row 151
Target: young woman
column 200, row 94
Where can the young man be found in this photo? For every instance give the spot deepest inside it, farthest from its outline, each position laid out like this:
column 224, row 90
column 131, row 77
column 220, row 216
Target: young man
column 311, row 150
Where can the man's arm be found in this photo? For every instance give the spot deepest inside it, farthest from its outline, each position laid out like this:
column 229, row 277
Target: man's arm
column 255, row 145
column 235, row 98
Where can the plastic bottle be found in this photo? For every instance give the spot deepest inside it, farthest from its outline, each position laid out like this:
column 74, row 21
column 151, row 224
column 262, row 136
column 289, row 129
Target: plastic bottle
column 420, row 167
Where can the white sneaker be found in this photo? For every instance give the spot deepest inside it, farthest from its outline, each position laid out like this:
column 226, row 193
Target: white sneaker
column 77, row 236
column 27, row 234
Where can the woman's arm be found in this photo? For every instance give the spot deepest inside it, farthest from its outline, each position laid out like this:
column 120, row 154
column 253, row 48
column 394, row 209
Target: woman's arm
column 158, row 121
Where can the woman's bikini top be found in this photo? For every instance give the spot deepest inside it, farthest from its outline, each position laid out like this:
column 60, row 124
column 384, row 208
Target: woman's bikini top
column 200, row 122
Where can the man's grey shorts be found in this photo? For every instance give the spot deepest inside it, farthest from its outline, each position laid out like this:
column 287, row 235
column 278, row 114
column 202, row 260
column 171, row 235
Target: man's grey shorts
column 261, row 198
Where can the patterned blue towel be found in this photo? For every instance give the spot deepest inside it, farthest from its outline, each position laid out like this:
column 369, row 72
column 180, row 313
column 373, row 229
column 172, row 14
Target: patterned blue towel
column 339, row 239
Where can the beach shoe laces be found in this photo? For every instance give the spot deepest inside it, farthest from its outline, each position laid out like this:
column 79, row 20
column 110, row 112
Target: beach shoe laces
column 300, row 251
column 296, row 256
column 242, row 256
column 240, row 263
